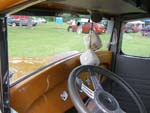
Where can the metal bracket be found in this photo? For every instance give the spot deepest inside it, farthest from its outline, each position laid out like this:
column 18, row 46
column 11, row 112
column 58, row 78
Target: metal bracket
column 13, row 111
column 64, row 95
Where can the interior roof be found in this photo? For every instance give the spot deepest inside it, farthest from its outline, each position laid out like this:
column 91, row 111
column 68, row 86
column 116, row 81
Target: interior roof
column 110, row 7
column 106, row 6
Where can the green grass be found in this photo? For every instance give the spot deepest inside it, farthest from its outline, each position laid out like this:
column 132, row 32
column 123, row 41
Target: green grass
column 135, row 44
column 45, row 40
column 49, row 39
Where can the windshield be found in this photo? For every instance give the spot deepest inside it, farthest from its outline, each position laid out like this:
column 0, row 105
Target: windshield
column 37, row 41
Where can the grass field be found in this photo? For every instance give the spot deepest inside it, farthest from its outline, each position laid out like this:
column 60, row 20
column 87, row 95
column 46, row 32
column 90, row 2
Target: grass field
column 49, row 39
column 45, row 40
column 135, row 44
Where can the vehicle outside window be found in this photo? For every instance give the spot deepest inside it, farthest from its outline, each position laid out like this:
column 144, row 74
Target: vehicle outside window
column 86, row 27
column 12, row 21
column 32, row 48
column 86, row 24
column 133, row 26
column 21, row 21
column 136, row 38
column 146, row 31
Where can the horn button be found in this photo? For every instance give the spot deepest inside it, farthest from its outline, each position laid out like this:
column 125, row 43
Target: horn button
column 106, row 100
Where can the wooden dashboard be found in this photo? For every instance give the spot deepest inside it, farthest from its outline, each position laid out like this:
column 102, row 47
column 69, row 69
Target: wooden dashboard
column 40, row 93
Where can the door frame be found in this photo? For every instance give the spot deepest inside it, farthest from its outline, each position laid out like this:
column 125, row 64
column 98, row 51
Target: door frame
column 4, row 69
column 117, row 35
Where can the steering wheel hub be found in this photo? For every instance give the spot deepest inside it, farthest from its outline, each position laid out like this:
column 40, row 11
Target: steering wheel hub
column 107, row 101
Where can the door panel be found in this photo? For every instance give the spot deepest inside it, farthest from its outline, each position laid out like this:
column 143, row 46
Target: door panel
column 136, row 71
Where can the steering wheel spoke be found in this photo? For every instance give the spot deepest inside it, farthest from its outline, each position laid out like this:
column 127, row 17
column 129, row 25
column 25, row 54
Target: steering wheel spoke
column 83, row 88
column 95, row 81
column 96, row 84
column 87, row 91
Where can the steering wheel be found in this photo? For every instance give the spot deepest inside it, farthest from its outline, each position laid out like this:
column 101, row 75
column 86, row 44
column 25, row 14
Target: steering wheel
column 105, row 102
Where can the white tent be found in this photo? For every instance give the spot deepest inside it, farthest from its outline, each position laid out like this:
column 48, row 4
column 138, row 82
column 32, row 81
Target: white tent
column 136, row 22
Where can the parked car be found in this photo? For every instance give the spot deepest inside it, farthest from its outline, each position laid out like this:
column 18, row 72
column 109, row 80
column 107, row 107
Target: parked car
column 43, row 20
column 133, row 26
column 23, row 22
column 12, row 21
column 40, row 20
column 129, row 29
column 86, row 27
column 146, row 31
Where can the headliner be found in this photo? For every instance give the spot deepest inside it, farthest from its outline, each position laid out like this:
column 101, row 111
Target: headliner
column 106, row 6
column 109, row 7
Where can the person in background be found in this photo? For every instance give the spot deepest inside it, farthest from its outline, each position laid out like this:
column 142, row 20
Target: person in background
column 29, row 25
column 79, row 28
column 89, row 20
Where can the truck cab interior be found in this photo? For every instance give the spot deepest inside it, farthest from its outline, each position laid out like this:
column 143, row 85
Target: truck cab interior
column 93, row 81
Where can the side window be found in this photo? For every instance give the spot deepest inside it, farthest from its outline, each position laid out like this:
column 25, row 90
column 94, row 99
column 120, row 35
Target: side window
column 136, row 38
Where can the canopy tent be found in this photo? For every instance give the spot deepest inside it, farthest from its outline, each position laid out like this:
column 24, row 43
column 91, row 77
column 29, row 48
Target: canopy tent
column 136, row 22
